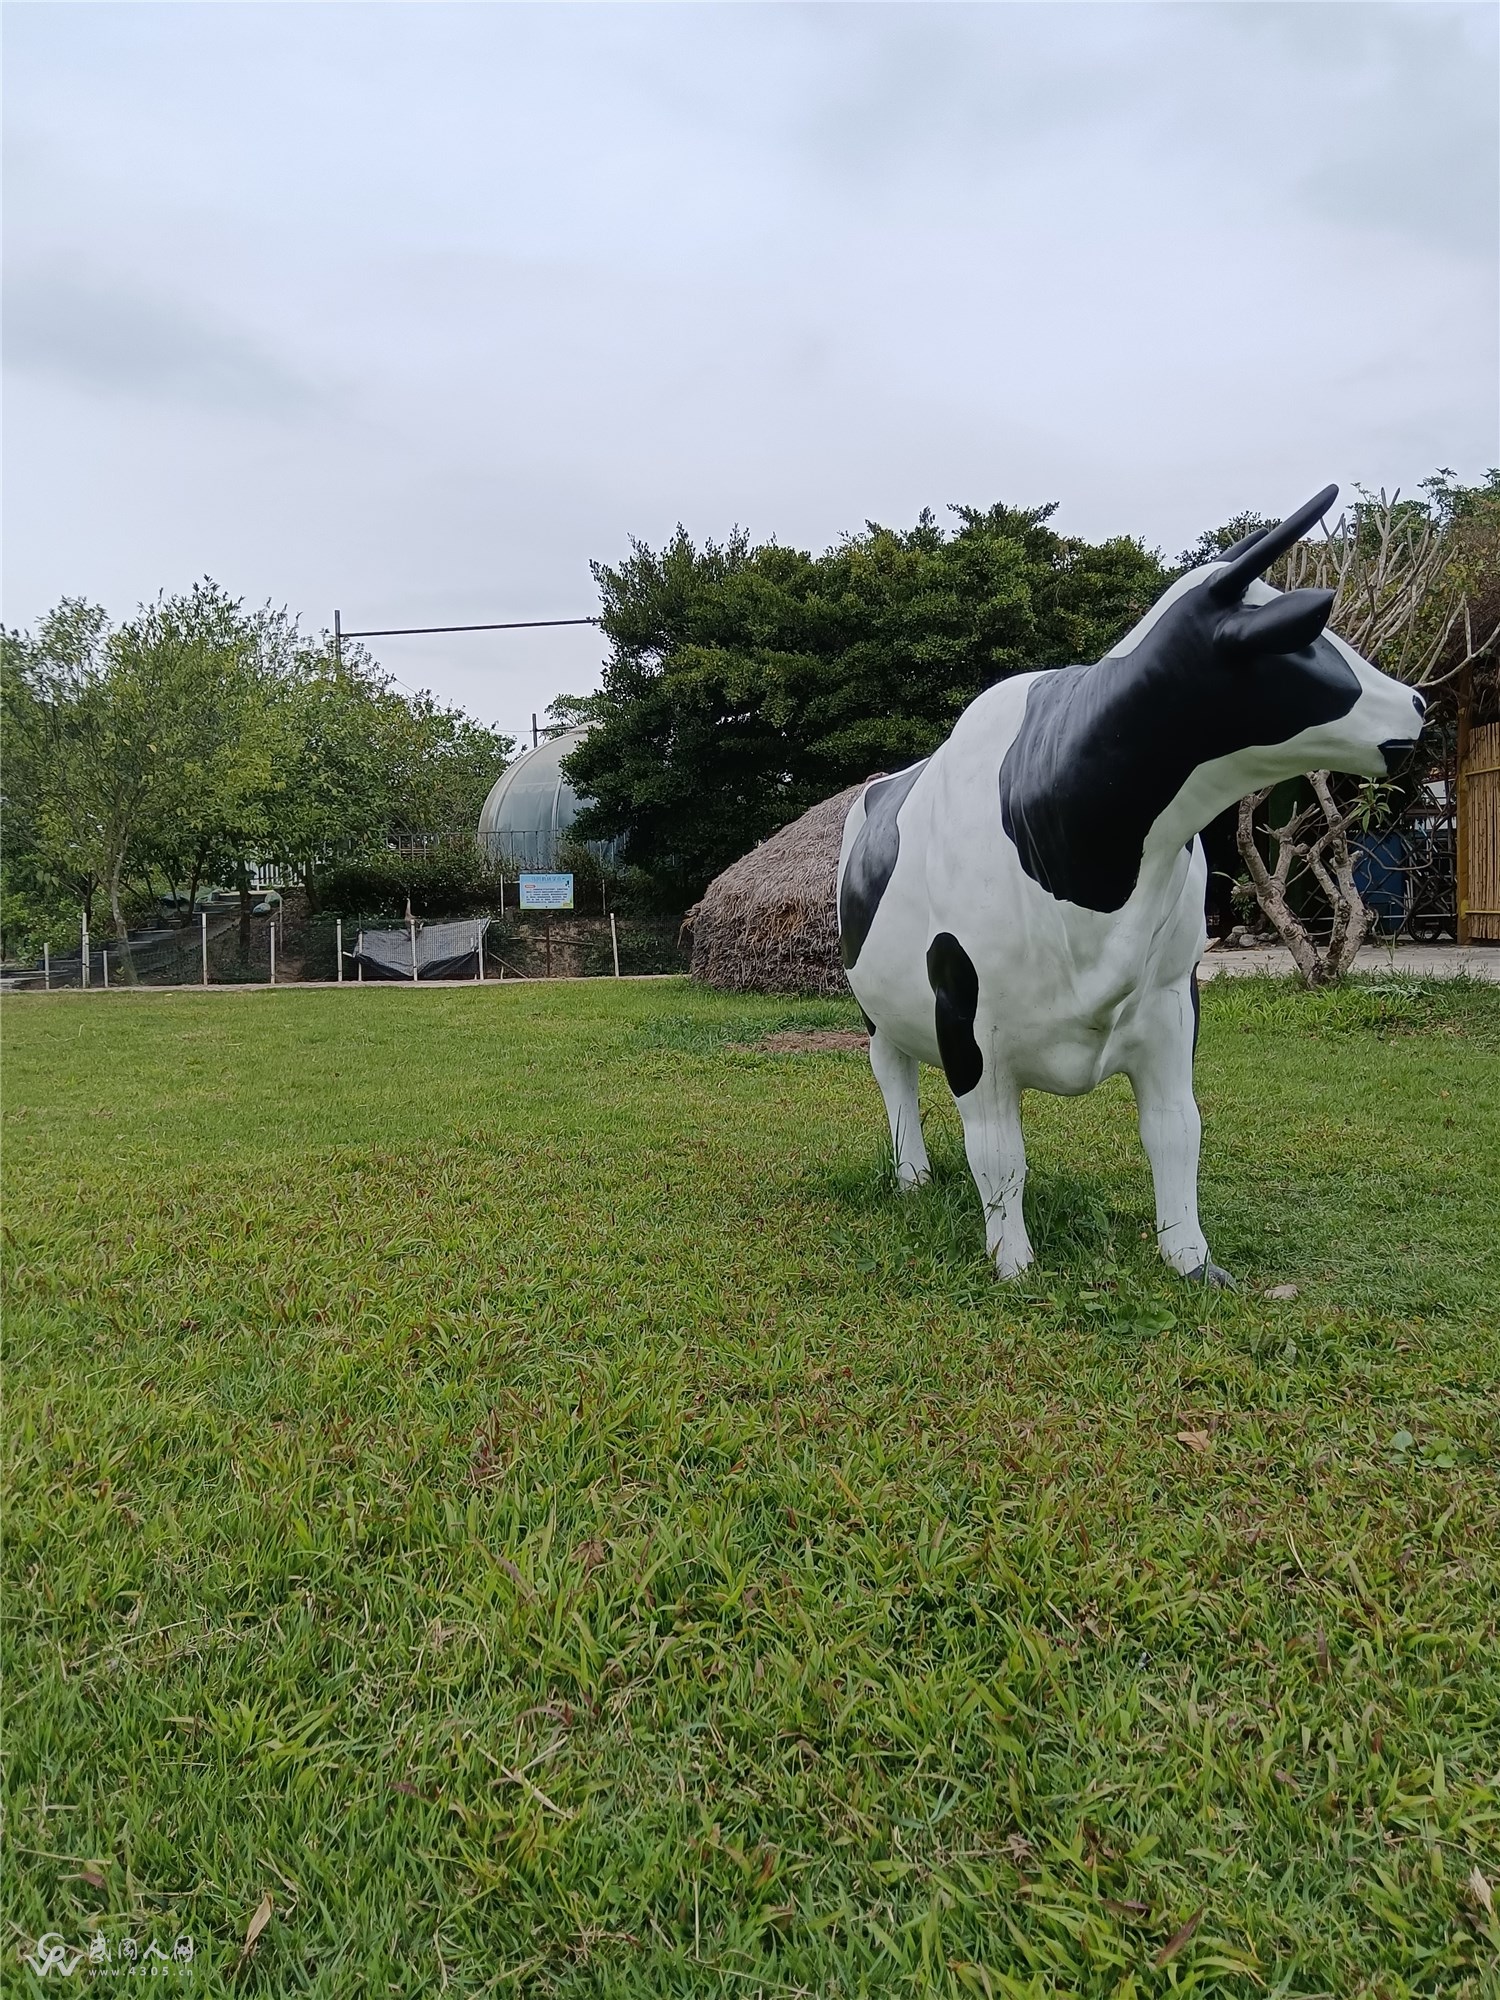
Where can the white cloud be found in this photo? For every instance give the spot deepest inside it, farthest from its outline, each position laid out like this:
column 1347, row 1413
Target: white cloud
column 416, row 309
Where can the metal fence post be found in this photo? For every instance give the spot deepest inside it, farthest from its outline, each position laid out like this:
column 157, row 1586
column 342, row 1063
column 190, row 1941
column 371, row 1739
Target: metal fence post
column 614, row 942
column 413, row 922
column 47, row 967
column 106, row 968
column 85, row 915
column 203, row 923
column 273, row 948
column 479, row 930
column 338, row 938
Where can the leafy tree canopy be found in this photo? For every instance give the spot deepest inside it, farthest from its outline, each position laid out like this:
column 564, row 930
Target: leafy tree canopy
column 745, row 683
column 200, row 737
column 1212, row 543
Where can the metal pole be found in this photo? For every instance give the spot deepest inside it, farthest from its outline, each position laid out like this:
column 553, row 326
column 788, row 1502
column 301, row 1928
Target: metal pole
column 106, row 968
column 338, row 932
column 273, row 949
column 614, row 942
column 549, row 943
column 338, row 641
column 203, row 921
column 479, row 930
column 85, row 916
column 413, row 922
column 535, row 735
column 47, row 968
column 359, row 963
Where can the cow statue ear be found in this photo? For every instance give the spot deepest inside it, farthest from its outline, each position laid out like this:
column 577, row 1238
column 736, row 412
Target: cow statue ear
column 1284, row 625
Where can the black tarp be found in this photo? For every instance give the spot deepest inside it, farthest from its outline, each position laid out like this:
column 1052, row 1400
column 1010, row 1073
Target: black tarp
column 444, row 951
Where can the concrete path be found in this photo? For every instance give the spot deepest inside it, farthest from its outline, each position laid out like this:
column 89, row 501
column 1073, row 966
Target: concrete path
column 1410, row 961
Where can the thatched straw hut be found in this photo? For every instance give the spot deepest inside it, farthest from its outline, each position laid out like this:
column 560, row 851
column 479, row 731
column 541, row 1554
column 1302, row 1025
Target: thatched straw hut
column 767, row 925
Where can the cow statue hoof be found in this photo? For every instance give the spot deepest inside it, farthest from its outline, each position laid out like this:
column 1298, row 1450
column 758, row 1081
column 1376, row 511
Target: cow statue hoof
column 1025, row 906
column 908, row 1178
column 1213, row 1275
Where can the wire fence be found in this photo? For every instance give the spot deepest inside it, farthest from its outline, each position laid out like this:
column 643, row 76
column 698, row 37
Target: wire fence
column 286, row 947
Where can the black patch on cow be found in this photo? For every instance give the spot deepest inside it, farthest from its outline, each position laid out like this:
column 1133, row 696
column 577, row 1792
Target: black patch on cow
column 1197, row 1009
column 872, row 860
column 955, row 986
column 1103, row 749
column 869, row 1024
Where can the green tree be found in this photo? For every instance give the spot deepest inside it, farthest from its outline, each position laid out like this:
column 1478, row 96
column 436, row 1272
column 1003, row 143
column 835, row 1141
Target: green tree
column 48, row 870
column 437, row 765
column 362, row 766
column 746, row 683
column 103, row 721
column 211, row 817
column 1212, row 543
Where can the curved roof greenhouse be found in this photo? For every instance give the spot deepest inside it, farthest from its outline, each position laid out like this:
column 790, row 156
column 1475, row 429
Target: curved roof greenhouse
column 531, row 805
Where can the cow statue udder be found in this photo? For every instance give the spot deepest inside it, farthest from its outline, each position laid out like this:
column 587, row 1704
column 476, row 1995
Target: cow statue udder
column 1025, row 906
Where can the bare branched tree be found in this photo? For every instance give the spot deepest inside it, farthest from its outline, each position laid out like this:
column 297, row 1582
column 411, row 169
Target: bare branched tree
column 1404, row 599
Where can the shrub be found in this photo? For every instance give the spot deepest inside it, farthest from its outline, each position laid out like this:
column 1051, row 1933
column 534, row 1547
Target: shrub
column 447, row 882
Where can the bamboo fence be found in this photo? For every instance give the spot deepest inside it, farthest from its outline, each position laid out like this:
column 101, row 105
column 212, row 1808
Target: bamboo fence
column 1479, row 836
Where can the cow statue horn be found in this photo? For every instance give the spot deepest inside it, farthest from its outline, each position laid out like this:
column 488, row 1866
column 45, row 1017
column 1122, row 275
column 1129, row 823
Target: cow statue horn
column 1253, row 561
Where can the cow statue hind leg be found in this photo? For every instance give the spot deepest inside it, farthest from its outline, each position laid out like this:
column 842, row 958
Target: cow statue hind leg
column 896, row 1073
column 1161, row 1074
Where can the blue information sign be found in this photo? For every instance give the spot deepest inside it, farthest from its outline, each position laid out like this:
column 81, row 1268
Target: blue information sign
column 546, row 892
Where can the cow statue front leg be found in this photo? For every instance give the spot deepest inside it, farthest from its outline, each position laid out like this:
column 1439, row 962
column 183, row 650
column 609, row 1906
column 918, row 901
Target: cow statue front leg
column 988, row 1100
column 896, row 1073
column 991, row 1114
column 1161, row 1075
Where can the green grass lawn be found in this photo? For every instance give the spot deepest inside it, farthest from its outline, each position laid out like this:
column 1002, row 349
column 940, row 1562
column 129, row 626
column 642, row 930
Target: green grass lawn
column 502, row 1472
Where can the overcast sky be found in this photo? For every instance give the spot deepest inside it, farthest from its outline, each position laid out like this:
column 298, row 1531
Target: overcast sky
column 415, row 309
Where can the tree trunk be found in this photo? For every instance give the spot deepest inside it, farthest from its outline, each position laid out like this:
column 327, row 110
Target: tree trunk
column 242, row 883
column 1270, row 893
column 124, row 964
column 310, row 886
column 1327, row 858
column 116, row 914
column 193, row 881
column 1335, row 876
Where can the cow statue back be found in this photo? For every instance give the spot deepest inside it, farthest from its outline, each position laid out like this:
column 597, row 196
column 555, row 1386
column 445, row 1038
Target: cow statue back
column 1025, row 906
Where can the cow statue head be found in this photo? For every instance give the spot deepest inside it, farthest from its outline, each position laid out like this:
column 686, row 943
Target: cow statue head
column 1274, row 692
column 1225, row 686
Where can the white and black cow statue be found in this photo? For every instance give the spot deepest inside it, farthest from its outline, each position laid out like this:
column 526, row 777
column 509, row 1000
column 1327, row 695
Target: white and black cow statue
column 1025, row 906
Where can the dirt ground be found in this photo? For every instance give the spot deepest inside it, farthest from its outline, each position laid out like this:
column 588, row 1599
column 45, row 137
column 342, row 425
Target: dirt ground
column 812, row 1041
